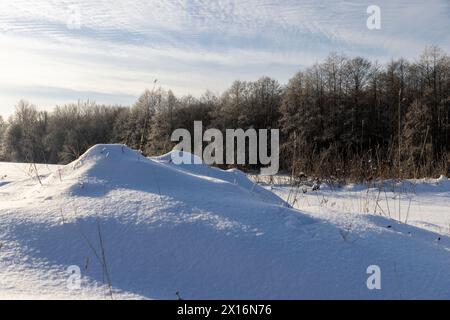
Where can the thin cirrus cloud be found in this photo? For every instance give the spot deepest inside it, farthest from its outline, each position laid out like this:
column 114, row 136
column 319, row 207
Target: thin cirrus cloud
column 192, row 45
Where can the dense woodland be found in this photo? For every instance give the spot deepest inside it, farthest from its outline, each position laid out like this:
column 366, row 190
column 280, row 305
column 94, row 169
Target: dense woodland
column 342, row 118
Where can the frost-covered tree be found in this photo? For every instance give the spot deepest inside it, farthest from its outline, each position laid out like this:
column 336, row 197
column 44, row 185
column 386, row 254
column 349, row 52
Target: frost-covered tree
column 2, row 138
column 140, row 118
column 417, row 137
column 163, row 123
column 24, row 137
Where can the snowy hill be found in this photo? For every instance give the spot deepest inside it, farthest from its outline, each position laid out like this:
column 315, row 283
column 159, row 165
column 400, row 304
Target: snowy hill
column 149, row 228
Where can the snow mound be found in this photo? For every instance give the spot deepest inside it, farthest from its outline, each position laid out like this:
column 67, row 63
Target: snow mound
column 141, row 227
column 104, row 168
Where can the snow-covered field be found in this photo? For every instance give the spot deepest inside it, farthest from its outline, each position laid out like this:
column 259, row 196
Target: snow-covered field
column 423, row 203
column 10, row 172
column 146, row 228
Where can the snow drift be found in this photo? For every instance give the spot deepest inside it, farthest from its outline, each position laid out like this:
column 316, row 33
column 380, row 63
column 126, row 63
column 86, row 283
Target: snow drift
column 147, row 228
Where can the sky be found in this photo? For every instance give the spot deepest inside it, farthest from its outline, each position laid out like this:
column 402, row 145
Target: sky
column 57, row 52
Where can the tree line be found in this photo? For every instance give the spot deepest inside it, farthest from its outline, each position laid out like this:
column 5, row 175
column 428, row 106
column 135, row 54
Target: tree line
column 341, row 118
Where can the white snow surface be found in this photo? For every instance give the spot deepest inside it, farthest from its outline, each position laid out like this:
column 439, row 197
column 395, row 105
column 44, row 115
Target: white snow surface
column 151, row 228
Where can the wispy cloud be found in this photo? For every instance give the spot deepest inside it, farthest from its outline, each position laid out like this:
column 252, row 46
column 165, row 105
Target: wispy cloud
column 192, row 45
